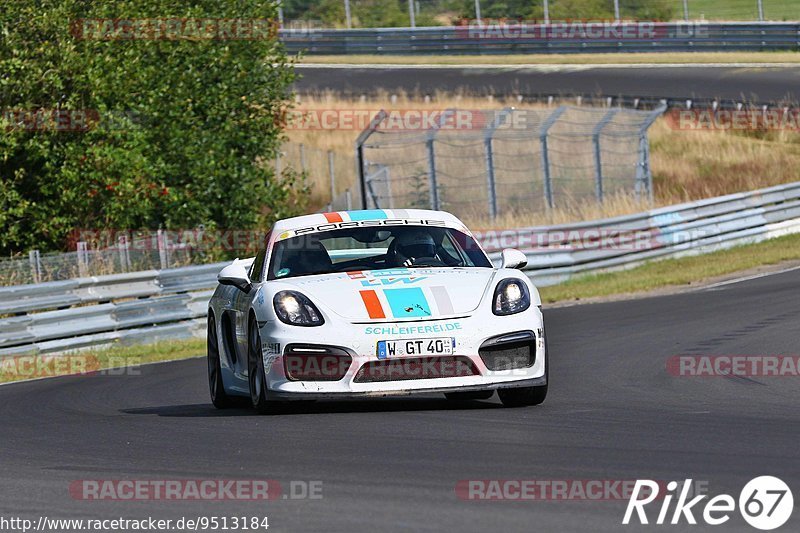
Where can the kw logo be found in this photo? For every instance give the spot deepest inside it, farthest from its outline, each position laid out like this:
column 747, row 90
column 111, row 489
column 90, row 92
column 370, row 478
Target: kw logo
column 372, row 282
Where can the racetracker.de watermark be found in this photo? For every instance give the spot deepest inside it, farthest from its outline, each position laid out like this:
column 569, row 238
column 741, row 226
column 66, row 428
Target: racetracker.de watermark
column 577, row 30
column 23, row 367
column 586, row 239
column 409, row 120
column 194, row 489
column 174, row 29
column 532, row 490
column 786, row 119
column 712, row 366
column 197, row 239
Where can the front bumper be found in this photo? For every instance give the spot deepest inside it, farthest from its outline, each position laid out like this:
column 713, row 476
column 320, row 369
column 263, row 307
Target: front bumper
column 360, row 341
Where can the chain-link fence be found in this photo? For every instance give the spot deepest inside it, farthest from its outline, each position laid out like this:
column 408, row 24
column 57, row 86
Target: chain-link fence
column 129, row 253
column 329, row 173
column 480, row 164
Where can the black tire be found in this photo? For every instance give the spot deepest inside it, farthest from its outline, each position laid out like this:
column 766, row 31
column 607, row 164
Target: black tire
column 468, row 396
column 219, row 397
column 255, row 371
column 527, row 396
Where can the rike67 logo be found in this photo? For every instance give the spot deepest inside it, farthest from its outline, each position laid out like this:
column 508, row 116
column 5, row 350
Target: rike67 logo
column 766, row 503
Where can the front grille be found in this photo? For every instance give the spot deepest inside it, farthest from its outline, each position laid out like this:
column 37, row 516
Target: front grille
column 308, row 362
column 421, row 368
column 507, row 352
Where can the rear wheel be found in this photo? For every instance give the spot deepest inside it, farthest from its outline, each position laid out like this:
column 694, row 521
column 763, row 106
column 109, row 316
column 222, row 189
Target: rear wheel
column 526, row 396
column 255, row 370
column 218, row 395
column 467, row 396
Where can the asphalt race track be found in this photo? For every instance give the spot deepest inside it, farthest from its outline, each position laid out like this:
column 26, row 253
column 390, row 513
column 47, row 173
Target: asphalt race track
column 732, row 83
column 613, row 413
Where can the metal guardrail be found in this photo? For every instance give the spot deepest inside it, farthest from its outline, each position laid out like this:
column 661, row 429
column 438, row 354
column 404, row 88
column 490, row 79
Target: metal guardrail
column 559, row 253
column 507, row 39
column 154, row 305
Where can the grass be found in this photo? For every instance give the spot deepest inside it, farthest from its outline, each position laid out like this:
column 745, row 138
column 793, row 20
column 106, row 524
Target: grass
column 100, row 361
column 686, row 165
column 676, row 272
column 777, row 10
column 562, row 59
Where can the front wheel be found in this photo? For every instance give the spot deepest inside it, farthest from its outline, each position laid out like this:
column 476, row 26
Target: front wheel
column 219, row 397
column 255, row 371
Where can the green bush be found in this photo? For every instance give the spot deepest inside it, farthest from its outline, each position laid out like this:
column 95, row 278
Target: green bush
column 178, row 133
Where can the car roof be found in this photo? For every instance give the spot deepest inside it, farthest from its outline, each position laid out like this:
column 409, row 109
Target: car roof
column 318, row 219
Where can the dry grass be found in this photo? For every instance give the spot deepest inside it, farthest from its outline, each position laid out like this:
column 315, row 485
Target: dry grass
column 687, row 165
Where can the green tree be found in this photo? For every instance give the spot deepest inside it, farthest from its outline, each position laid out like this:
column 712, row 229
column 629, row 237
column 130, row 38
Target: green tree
column 178, row 131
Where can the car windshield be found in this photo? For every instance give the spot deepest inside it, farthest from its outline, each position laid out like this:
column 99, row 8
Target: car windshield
column 374, row 248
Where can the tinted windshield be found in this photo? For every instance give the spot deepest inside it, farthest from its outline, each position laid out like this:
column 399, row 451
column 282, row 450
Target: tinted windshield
column 354, row 249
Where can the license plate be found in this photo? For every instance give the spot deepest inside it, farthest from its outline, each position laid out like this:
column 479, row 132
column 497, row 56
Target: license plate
column 422, row 347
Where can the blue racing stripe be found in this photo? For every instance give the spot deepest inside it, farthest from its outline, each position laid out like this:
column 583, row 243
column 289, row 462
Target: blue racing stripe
column 369, row 214
column 406, row 303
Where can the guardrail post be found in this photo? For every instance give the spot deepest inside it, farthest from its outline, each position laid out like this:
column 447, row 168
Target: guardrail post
column 36, row 265
column 543, row 134
column 598, row 160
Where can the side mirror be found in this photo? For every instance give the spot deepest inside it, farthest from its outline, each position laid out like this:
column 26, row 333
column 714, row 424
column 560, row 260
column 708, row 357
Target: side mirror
column 513, row 258
column 235, row 274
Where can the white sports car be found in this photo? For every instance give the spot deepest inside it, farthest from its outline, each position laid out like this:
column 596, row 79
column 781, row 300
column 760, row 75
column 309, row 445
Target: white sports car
column 375, row 303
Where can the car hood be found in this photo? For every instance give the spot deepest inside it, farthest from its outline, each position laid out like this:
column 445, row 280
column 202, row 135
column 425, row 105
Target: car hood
column 396, row 294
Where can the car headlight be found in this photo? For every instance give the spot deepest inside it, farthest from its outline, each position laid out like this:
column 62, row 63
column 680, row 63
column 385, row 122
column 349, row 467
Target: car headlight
column 511, row 296
column 295, row 309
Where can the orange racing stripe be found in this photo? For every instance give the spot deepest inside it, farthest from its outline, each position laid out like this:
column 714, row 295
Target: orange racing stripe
column 333, row 217
column 373, row 304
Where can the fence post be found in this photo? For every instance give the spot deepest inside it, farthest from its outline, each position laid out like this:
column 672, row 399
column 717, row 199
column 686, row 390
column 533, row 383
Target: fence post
column 302, row 158
column 432, row 184
column 163, row 251
column 36, row 265
column 360, row 162
column 348, row 199
column 332, row 175
column 124, row 257
column 278, row 163
column 761, row 10
column 644, row 175
column 598, row 161
column 498, row 121
column 83, row 259
column 431, row 141
column 548, row 123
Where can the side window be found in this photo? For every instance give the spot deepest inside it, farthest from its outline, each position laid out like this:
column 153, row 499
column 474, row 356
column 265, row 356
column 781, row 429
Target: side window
column 257, row 270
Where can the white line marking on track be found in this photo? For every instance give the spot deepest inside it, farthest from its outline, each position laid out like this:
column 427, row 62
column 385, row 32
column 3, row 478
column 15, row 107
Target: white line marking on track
column 747, row 278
